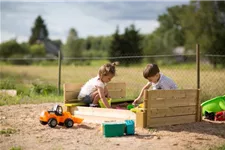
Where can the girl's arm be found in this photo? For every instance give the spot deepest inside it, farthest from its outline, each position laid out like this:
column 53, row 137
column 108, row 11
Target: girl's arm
column 106, row 92
column 102, row 97
column 147, row 86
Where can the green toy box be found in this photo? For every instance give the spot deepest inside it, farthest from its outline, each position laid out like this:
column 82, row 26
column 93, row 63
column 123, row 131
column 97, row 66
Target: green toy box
column 112, row 129
column 215, row 105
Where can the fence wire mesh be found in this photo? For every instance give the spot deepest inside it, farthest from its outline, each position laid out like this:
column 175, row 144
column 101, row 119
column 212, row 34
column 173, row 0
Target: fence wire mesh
column 181, row 68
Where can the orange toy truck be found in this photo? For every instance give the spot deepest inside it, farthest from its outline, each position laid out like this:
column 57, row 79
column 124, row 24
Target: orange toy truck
column 56, row 116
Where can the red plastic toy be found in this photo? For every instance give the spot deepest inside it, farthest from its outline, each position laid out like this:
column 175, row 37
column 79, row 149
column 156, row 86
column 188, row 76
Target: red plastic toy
column 220, row 116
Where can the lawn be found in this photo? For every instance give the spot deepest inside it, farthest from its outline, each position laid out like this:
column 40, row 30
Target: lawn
column 211, row 82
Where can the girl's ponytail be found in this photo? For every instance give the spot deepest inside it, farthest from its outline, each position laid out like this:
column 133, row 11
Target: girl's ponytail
column 108, row 68
column 116, row 63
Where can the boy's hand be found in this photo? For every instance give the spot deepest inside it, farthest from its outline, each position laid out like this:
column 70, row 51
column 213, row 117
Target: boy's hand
column 135, row 101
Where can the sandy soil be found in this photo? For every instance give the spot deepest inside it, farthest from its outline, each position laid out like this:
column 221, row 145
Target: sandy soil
column 27, row 133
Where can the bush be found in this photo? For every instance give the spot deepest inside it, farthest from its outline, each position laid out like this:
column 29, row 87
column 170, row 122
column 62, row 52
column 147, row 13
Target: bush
column 43, row 89
column 9, row 100
column 10, row 48
column 94, row 53
column 7, row 84
column 37, row 50
column 19, row 59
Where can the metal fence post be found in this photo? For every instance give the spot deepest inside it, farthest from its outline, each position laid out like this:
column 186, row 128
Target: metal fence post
column 198, row 65
column 59, row 73
column 198, row 103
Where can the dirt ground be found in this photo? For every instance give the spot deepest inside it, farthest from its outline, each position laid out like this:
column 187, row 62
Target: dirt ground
column 25, row 132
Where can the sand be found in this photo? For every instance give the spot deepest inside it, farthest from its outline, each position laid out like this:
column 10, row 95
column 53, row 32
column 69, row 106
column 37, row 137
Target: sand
column 25, row 132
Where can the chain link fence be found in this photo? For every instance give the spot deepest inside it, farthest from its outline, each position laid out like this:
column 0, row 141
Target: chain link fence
column 181, row 68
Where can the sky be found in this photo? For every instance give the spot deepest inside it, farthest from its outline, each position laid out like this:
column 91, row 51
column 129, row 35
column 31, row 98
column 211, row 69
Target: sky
column 88, row 17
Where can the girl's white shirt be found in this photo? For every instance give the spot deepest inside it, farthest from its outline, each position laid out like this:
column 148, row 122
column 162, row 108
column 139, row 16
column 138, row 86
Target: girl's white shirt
column 90, row 86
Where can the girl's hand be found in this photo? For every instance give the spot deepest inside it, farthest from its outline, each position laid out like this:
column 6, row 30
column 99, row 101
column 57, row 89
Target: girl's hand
column 107, row 95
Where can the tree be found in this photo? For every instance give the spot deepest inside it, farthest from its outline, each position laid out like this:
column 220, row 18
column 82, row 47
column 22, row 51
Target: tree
column 87, row 44
column 115, row 46
column 170, row 32
column 131, row 45
column 167, row 36
column 73, row 46
column 73, row 35
column 38, row 31
column 153, row 45
column 105, row 44
column 96, row 43
column 208, row 28
column 127, row 44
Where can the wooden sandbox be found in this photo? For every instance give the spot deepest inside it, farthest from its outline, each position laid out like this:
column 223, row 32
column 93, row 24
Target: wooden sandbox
column 161, row 107
column 169, row 107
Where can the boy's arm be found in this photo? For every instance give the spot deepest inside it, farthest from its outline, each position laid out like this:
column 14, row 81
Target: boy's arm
column 147, row 86
column 102, row 97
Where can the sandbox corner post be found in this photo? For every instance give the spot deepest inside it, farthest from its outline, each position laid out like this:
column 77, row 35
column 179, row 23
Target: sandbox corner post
column 198, row 107
column 141, row 117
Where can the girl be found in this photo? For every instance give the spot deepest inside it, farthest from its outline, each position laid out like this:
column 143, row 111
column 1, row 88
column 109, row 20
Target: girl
column 95, row 89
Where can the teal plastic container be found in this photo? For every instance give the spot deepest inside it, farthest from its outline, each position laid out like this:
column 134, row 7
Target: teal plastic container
column 112, row 129
column 213, row 105
column 130, row 129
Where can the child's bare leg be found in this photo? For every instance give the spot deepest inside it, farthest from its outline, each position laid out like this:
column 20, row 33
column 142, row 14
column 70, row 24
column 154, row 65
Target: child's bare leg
column 95, row 97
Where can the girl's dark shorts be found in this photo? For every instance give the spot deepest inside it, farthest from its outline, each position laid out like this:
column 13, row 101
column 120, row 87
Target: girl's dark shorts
column 87, row 99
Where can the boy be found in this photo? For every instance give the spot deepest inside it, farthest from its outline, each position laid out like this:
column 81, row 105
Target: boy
column 156, row 79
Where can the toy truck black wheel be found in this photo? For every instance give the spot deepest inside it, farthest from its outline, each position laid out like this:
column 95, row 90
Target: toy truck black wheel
column 52, row 122
column 43, row 123
column 69, row 123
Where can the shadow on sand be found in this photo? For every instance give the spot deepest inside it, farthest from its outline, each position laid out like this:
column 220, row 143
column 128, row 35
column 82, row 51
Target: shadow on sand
column 204, row 127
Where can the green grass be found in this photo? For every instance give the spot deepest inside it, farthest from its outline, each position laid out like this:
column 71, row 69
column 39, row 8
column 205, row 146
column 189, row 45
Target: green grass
column 16, row 148
column 7, row 84
column 218, row 148
column 26, row 78
column 7, row 131
column 29, row 89
column 221, row 147
column 152, row 129
column 24, row 99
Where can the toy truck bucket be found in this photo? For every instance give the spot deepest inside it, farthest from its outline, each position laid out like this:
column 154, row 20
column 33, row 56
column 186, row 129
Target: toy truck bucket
column 77, row 120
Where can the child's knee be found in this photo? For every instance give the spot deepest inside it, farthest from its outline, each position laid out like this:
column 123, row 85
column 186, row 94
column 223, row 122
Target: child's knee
column 97, row 97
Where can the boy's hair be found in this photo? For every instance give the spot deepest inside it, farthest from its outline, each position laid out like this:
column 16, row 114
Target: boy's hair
column 150, row 70
column 107, row 69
